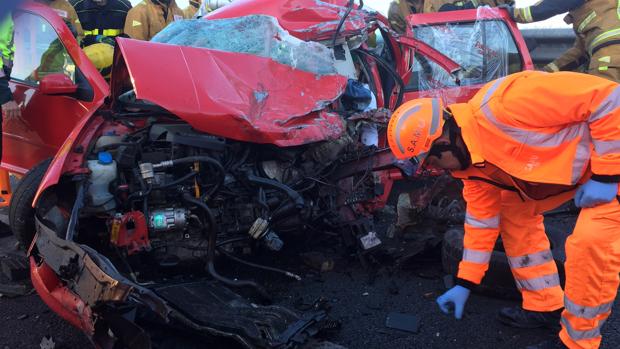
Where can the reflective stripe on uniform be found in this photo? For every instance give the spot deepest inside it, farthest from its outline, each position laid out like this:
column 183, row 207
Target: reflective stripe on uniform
column 584, row 312
column 539, row 283
column 580, row 335
column 530, row 260
column 608, row 105
column 536, row 139
column 400, row 124
column 106, row 32
column 602, row 38
column 436, row 116
column 482, row 223
column 478, row 257
column 606, row 147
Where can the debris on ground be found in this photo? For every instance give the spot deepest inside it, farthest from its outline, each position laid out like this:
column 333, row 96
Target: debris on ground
column 318, row 261
column 15, row 268
column 14, row 289
column 403, row 322
column 47, row 343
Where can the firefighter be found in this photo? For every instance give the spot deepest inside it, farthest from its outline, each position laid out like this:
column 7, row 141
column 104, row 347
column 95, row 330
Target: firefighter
column 149, row 17
column 64, row 9
column 523, row 145
column 101, row 18
column 192, row 8
column 399, row 10
column 597, row 26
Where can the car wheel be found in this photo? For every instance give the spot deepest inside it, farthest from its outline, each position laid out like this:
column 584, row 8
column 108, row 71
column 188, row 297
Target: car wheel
column 498, row 280
column 21, row 213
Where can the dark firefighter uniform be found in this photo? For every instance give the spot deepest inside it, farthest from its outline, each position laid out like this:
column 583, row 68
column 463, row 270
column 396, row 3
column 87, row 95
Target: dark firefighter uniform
column 597, row 26
column 97, row 20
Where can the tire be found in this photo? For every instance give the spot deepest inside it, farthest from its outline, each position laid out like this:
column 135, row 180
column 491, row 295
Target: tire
column 498, row 280
column 21, row 213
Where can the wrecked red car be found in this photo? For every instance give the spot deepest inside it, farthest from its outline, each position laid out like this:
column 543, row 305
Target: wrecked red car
column 243, row 132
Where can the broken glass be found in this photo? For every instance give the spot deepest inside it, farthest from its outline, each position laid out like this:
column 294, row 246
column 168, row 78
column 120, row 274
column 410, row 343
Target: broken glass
column 484, row 48
column 256, row 35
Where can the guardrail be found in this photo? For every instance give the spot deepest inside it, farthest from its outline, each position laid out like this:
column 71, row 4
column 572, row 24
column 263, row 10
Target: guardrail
column 547, row 44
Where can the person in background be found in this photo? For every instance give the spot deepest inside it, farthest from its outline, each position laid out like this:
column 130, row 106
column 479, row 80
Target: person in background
column 399, row 10
column 149, row 17
column 101, row 19
column 192, row 8
column 597, row 27
column 64, row 9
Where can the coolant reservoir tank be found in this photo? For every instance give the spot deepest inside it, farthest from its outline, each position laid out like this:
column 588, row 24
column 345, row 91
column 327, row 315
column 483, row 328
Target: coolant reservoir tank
column 103, row 171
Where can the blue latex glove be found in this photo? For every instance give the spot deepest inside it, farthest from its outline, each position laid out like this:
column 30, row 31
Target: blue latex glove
column 455, row 298
column 593, row 193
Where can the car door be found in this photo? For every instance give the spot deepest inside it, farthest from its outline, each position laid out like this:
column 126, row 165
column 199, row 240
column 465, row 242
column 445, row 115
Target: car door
column 44, row 46
column 485, row 43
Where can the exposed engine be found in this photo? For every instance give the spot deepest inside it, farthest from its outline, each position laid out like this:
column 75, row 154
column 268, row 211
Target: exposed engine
column 176, row 194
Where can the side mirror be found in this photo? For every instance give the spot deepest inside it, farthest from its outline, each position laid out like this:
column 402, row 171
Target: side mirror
column 57, row 84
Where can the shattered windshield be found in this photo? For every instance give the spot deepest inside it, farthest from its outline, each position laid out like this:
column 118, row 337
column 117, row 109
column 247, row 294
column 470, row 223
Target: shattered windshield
column 256, row 35
column 485, row 49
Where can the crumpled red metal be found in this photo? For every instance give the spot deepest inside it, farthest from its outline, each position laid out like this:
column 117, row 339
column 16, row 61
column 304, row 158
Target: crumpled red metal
column 305, row 19
column 235, row 95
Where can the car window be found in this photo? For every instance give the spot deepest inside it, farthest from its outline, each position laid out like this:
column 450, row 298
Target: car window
column 38, row 50
column 484, row 49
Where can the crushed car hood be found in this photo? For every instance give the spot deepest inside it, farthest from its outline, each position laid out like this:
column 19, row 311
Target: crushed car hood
column 246, row 97
column 304, row 19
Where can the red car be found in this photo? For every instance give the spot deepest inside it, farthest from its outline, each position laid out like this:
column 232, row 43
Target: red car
column 256, row 127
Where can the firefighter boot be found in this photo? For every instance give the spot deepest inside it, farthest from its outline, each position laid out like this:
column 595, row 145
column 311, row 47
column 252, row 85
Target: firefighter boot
column 521, row 318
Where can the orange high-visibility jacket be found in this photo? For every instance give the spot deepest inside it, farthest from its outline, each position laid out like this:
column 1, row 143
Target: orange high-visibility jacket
column 539, row 133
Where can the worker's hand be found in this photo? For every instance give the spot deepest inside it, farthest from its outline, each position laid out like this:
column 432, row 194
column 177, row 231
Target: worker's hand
column 455, row 298
column 593, row 193
column 11, row 110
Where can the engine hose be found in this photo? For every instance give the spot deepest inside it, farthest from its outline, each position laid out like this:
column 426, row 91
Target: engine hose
column 258, row 266
column 198, row 158
column 390, row 70
column 341, row 23
column 211, row 250
column 297, row 199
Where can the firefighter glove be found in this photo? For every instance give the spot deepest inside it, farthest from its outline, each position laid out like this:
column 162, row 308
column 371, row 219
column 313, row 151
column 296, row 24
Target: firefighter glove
column 593, row 193
column 454, row 299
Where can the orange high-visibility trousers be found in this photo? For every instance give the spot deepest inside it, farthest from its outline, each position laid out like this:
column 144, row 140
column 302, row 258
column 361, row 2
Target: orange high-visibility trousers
column 592, row 267
column 528, row 250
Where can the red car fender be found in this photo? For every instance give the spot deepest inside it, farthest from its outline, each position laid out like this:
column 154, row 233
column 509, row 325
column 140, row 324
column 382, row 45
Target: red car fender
column 60, row 299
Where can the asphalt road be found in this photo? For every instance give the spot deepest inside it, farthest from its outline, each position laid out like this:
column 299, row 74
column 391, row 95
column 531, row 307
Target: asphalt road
column 358, row 299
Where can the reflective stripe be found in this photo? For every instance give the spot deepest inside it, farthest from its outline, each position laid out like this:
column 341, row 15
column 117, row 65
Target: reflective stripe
column 400, row 123
column 553, row 67
column 582, row 157
column 539, row 283
column 586, row 21
column 478, row 257
column 584, row 312
column 106, row 32
column 536, row 139
column 603, row 37
column 580, row 335
column 112, row 32
column 606, row 147
column 531, row 260
column 482, row 223
column 436, row 116
column 607, row 106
